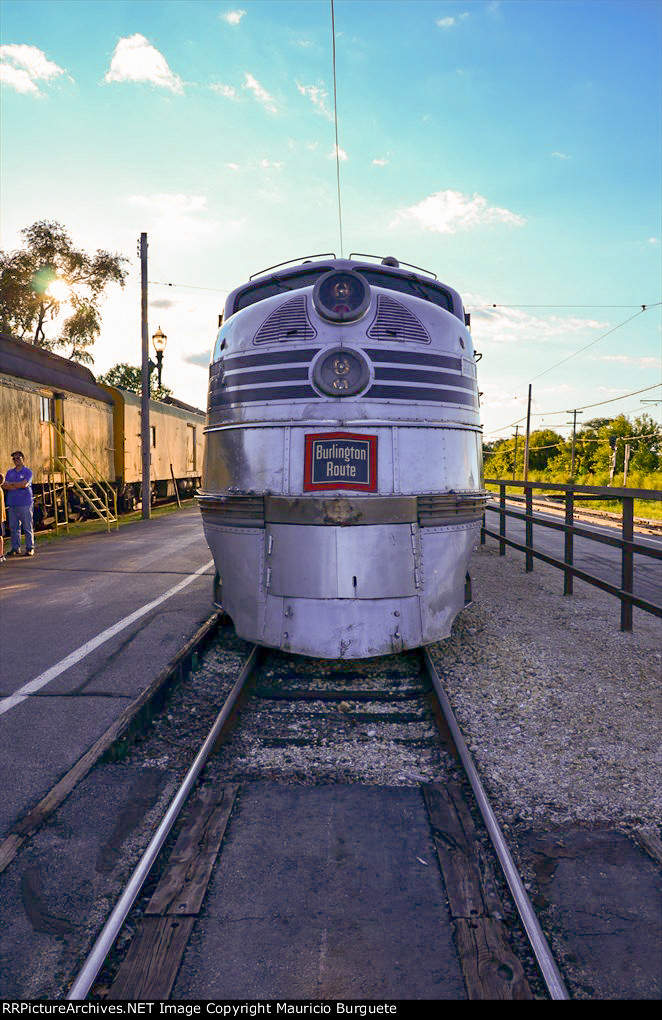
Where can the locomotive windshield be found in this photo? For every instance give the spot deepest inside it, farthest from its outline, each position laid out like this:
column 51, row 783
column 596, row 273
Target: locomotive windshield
column 273, row 285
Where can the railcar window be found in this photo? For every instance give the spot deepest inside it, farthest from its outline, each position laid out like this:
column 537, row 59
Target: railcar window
column 47, row 409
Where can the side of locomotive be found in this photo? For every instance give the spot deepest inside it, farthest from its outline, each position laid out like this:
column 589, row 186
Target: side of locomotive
column 342, row 483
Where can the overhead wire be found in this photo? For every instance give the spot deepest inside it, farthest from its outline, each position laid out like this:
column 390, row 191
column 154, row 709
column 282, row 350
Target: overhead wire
column 187, row 286
column 586, row 407
column 335, row 118
column 642, row 309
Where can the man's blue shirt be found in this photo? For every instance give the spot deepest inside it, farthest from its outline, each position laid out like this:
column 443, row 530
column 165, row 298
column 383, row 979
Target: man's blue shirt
column 19, row 497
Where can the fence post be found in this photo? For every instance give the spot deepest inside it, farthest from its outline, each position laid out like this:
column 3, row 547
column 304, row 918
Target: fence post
column 569, row 521
column 627, row 562
column 502, row 519
column 482, row 529
column 529, row 527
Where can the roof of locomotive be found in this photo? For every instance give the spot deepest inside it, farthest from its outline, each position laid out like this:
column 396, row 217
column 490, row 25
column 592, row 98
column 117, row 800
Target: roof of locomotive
column 24, row 361
column 305, row 272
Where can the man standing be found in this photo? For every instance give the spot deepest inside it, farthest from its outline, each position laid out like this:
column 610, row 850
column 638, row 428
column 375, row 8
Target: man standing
column 18, row 489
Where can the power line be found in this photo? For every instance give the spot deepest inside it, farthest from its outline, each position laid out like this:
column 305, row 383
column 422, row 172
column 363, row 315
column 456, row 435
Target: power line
column 643, row 308
column 541, row 414
column 187, row 286
column 335, row 117
column 580, row 439
column 516, row 305
column 610, row 401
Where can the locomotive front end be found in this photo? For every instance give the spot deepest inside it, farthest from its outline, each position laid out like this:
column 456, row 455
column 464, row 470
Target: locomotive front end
column 342, row 492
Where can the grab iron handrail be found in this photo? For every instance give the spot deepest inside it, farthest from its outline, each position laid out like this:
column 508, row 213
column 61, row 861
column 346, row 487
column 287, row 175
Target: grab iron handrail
column 570, row 493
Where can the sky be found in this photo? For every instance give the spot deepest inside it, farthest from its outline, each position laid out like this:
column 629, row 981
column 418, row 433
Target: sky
column 511, row 147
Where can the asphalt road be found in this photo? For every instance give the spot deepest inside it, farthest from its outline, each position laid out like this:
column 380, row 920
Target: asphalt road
column 85, row 626
column 596, row 558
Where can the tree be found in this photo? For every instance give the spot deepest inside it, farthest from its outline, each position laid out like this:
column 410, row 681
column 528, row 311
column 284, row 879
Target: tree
column 544, row 446
column 129, row 377
column 48, row 278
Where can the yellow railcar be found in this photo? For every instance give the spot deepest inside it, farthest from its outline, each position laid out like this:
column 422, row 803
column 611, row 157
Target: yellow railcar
column 73, row 429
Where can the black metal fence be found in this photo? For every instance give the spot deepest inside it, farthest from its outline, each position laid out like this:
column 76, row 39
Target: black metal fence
column 569, row 495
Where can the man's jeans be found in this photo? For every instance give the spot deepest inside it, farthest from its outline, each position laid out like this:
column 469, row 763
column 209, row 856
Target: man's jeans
column 21, row 515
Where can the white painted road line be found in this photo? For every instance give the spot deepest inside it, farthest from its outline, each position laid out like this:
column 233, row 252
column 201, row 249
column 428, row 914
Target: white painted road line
column 64, row 664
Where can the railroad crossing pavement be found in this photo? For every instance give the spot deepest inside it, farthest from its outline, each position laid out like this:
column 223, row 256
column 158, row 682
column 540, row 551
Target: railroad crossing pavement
column 141, row 592
column 328, row 892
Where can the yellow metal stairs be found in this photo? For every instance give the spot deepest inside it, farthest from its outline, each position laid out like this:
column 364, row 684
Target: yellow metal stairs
column 71, row 468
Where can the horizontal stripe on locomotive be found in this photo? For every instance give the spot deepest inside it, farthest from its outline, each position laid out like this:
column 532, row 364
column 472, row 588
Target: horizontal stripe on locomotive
column 409, row 357
column 240, row 377
column 435, row 510
column 286, row 356
column 424, row 375
column 263, row 394
column 420, row 394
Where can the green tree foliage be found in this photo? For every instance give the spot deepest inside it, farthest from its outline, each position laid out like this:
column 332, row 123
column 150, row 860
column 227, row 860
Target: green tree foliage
column 544, row 447
column 129, row 377
column 30, row 301
column 600, row 446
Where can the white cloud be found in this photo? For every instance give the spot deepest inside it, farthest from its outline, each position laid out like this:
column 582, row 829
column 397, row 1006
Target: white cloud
column 136, row 60
column 24, row 66
column 266, row 164
column 233, row 17
column 560, row 155
column 379, row 162
column 447, row 211
column 342, row 155
column 228, row 91
column 177, row 216
column 450, row 21
column 260, row 93
column 627, row 359
column 318, row 97
column 506, row 325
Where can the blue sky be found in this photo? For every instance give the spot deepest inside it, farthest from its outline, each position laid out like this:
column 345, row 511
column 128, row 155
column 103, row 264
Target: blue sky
column 511, row 147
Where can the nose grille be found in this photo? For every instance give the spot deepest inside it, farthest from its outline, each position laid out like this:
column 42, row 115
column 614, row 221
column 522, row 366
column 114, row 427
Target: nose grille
column 289, row 322
column 394, row 321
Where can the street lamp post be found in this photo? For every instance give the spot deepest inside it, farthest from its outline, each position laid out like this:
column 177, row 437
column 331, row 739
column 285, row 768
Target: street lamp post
column 159, row 340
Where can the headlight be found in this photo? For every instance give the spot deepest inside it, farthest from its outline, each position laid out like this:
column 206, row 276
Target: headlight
column 340, row 372
column 341, row 296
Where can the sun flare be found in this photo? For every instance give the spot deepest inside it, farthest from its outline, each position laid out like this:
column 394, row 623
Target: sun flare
column 59, row 291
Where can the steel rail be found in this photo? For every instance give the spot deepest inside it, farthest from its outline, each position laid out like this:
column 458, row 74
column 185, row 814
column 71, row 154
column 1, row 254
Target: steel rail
column 111, row 929
column 543, row 953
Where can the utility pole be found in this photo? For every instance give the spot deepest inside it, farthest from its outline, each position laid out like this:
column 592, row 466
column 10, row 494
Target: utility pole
column 144, row 403
column 626, row 461
column 574, row 431
column 528, row 433
column 515, row 457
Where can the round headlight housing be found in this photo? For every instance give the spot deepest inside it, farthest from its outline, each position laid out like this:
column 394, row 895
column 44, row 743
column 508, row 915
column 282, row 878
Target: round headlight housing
column 341, row 296
column 340, row 372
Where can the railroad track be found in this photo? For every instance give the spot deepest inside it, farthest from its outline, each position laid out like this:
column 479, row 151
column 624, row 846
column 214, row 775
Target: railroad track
column 308, row 723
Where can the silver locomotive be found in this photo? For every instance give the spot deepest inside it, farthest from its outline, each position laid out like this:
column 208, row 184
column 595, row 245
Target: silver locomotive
column 342, row 483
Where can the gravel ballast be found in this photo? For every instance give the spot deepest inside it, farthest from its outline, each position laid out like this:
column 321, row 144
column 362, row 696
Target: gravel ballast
column 560, row 709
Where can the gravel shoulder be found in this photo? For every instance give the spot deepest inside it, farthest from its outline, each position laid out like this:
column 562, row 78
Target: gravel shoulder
column 560, row 709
